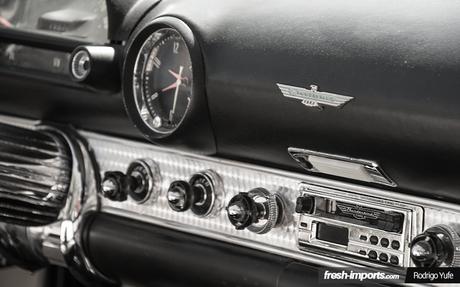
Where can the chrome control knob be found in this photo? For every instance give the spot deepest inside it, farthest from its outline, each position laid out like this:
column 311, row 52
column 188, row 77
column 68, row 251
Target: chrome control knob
column 438, row 245
column 257, row 210
column 242, row 211
column 96, row 67
column 181, row 195
column 141, row 181
column 203, row 194
column 115, row 185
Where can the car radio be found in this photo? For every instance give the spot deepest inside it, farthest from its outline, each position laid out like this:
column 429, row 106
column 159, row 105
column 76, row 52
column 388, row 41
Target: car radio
column 363, row 227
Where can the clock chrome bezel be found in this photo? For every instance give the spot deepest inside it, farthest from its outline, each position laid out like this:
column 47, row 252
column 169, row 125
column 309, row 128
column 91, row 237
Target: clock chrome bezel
column 197, row 108
column 139, row 81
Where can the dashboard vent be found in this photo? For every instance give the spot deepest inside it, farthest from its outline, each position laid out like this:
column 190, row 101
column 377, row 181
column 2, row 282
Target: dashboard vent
column 35, row 170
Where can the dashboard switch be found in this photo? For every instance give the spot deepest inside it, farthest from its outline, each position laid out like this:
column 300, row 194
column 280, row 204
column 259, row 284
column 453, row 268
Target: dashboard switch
column 257, row 210
column 96, row 67
column 141, row 182
column 115, row 186
column 180, row 195
column 202, row 194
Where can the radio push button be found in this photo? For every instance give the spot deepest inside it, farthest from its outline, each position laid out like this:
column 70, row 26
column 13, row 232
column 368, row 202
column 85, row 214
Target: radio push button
column 384, row 242
column 383, row 257
column 372, row 255
column 395, row 244
column 374, row 240
column 257, row 210
column 394, row 260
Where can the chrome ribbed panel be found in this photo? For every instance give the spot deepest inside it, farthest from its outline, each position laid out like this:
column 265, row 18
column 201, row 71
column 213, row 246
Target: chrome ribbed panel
column 115, row 154
column 34, row 175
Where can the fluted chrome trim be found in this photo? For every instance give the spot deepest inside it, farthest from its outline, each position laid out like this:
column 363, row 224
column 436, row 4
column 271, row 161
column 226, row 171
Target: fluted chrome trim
column 35, row 167
column 44, row 186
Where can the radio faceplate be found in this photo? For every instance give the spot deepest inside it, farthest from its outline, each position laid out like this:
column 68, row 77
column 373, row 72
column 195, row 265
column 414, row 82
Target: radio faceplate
column 359, row 226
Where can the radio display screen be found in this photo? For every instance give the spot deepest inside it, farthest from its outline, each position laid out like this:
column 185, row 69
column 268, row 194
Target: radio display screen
column 332, row 233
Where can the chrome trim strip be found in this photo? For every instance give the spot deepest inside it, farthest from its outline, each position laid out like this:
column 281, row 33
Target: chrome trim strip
column 342, row 166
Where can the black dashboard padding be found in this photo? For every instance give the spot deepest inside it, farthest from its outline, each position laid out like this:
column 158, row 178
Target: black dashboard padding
column 37, row 99
column 125, row 14
column 142, row 254
column 400, row 62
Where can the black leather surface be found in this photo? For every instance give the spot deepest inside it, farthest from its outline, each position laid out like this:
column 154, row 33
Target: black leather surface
column 124, row 14
column 147, row 255
column 140, row 254
column 36, row 98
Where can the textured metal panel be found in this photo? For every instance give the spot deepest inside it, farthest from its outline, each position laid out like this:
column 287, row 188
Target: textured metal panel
column 115, row 154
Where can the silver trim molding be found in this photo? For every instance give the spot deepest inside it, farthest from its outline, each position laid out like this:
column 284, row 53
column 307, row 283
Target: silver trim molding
column 342, row 166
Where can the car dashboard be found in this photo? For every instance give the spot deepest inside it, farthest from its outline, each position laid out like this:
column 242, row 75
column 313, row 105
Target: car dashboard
column 265, row 143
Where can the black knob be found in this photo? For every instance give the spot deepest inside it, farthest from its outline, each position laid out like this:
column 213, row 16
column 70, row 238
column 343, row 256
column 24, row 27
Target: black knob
column 242, row 211
column 116, row 185
column 305, row 204
column 181, row 195
column 435, row 246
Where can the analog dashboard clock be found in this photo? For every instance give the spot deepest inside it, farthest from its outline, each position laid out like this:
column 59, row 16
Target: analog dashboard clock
column 163, row 81
column 163, row 86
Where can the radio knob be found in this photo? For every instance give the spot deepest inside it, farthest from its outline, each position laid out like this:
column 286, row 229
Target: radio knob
column 257, row 210
column 242, row 211
column 436, row 246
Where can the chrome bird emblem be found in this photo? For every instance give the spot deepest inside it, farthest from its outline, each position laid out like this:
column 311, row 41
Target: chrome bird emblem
column 314, row 98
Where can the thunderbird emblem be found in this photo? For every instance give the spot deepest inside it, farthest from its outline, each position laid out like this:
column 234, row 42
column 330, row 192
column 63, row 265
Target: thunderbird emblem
column 313, row 97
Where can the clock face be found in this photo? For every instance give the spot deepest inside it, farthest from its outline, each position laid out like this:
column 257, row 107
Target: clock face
column 163, row 81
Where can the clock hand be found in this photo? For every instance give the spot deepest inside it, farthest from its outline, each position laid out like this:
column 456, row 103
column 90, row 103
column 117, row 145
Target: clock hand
column 177, row 76
column 178, row 82
column 172, row 86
